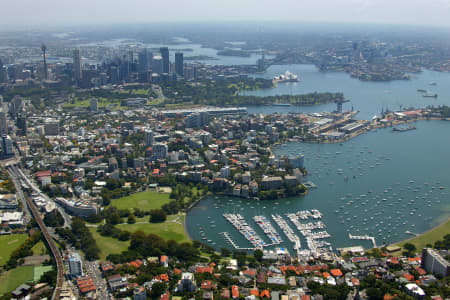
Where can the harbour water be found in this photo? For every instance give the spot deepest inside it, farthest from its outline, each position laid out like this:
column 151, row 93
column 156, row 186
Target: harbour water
column 367, row 97
column 380, row 184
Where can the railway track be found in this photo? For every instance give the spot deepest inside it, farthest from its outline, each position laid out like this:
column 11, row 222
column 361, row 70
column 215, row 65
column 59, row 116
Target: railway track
column 48, row 238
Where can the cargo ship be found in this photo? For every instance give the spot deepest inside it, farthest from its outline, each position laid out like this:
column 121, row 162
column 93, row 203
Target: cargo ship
column 281, row 104
column 428, row 95
column 286, row 77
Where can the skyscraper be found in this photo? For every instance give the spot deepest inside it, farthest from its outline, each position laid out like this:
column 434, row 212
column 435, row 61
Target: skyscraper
column 114, row 75
column 148, row 137
column 22, row 124
column 157, row 64
column 3, row 124
column 165, row 59
column 179, row 64
column 77, row 65
column 94, row 105
column 2, row 72
column 7, row 146
column 143, row 60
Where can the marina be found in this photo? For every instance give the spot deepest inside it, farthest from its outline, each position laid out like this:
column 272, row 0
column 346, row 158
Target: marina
column 288, row 232
column 268, row 229
column 248, row 232
column 378, row 193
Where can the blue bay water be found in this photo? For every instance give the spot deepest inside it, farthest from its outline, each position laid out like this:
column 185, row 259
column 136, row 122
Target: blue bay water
column 381, row 183
column 396, row 182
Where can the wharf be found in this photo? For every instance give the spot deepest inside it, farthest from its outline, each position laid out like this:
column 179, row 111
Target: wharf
column 233, row 243
column 363, row 237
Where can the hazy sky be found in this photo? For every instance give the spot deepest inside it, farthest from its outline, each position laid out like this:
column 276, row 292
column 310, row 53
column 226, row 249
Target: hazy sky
column 24, row 12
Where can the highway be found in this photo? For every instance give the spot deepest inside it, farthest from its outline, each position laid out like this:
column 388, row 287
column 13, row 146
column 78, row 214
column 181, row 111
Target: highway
column 17, row 173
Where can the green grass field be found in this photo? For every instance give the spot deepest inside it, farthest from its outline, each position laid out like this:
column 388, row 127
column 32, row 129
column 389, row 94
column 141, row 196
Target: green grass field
column 39, row 248
column 102, row 102
column 429, row 237
column 108, row 245
column 39, row 271
column 10, row 280
column 147, row 200
column 10, row 243
column 172, row 229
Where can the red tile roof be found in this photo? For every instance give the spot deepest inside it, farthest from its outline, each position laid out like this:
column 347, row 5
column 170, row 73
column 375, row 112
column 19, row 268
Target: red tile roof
column 408, row 276
column 336, row 272
column 234, row 291
column 204, row 270
column 421, row 271
column 43, row 173
column 265, row 293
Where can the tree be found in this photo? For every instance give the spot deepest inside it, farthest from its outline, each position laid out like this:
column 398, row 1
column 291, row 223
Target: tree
column 124, row 235
column 114, row 218
column 131, row 219
column 54, row 219
column 157, row 216
column 258, row 254
column 410, row 249
column 158, row 288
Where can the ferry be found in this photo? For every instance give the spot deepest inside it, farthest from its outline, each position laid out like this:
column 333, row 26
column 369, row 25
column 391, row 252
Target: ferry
column 286, row 77
column 429, row 95
column 281, row 104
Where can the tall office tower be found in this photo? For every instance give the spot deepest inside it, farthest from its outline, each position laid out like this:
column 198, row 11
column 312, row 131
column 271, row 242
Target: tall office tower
column 22, row 124
column 165, row 59
column 3, row 123
column 157, row 64
column 148, row 137
column 7, row 146
column 44, row 49
column 2, row 72
column 114, row 75
column 77, row 65
column 94, row 104
column 131, row 65
column 179, row 63
column 143, row 60
column 16, row 106
column 124, row 69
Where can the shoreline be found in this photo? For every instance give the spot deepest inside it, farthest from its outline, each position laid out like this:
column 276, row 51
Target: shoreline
column 442, row 224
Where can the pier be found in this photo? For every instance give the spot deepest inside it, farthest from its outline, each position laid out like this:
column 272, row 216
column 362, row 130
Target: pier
column 233, row 243
column 268, row 229
column 363, row 237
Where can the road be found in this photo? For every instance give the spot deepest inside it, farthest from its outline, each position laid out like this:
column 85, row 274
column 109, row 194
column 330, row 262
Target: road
column 20, row 195
column 16, row 172
column 67, row 219
column 92, row 269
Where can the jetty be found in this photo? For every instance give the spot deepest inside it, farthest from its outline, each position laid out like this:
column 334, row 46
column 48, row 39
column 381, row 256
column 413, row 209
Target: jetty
column 287, row 230
column 246, row 230
column 268, row 229
column 363, row 237
column 233, row 243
